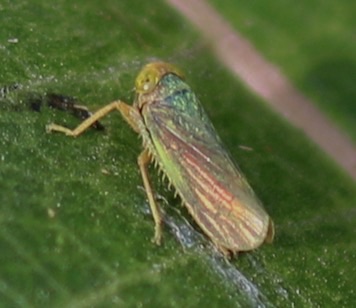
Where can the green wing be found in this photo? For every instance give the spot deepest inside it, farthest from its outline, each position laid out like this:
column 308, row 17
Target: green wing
column 191, row 154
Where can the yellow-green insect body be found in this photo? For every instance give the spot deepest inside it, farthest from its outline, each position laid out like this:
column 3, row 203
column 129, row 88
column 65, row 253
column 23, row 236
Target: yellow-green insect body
column 179, row 136
column 183, row 141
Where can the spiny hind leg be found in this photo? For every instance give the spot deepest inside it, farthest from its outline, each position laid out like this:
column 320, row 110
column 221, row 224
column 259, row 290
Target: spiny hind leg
column 143, row 161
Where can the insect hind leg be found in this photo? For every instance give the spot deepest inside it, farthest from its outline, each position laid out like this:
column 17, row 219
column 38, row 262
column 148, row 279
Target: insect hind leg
column 143, row 160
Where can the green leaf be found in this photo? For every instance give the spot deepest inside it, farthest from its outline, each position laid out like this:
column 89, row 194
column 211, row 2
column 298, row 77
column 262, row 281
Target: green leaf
column 75, row 226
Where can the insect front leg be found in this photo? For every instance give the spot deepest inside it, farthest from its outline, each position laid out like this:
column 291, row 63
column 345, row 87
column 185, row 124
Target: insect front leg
column 68, row 104
column 143, row 160
column 128, row 112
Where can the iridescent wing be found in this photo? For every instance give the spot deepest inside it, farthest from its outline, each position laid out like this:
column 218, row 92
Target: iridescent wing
column 211, row 186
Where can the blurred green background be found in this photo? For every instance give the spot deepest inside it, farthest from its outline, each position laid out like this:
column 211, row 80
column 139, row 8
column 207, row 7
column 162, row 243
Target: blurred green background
column 312, row 42
column 75, row 226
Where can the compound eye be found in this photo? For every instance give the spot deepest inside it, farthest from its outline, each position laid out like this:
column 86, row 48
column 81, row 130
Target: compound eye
column 146, row 83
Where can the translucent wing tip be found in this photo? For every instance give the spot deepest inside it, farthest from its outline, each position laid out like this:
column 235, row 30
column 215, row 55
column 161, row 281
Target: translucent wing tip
column 270, row 232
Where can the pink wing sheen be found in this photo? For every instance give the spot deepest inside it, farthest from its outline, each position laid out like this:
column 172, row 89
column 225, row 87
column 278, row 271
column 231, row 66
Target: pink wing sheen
column 214, row 191
column 232, row 221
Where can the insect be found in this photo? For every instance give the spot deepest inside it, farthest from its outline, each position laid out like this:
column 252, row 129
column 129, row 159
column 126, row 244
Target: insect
column 35, row 101
column 4, row 91
column 179, row 137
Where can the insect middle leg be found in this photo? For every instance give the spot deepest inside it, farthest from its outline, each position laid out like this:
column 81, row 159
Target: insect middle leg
column 143, row 160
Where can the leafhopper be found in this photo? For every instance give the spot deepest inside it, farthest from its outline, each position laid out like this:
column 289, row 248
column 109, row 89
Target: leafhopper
column 178, row 135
